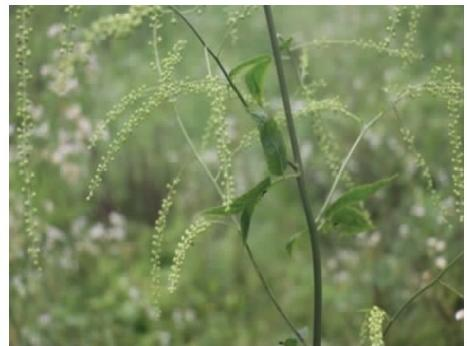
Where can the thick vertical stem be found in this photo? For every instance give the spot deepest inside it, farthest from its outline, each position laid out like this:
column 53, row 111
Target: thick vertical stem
column 312, row 229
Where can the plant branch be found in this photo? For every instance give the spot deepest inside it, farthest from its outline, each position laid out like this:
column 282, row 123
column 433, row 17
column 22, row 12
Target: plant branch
column 312, row 229
column 421, row 291
column 214, row 56
column 344, row 164
column 452, row 289
column 252, row 259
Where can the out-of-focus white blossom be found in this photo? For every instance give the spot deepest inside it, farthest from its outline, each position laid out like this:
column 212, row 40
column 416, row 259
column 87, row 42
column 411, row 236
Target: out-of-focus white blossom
column 55, row 30
column 404, row 230
column 441, row 262
column 418, row 210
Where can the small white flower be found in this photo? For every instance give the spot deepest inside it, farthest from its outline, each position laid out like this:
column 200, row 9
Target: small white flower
column 78, row 225
column 134, row 293
column 85, row 128
column 418, row 210
column 117, row 219
column 49, row 206
column 45, row 70
column 441, row 262
column 73, row 112
column 190, row 315
column 164, row 338
column 459, row 315
column 331, row 264
column 306, row 150
column 97, row 231
column 431, row 241
column 404, row 230
column 44, row 319
column 342, row 277
column 42, row 130
column 54, row 30
column 54, row 234
column 374, row 239
column 440, row 245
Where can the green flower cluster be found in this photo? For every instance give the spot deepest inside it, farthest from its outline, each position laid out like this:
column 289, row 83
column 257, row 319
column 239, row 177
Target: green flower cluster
column 167, row 90
column 25, row 127
column 234, row 17
column 371, row 333
column 199, row 225
column 158, row 239
column 441, row 85
column 217, row 91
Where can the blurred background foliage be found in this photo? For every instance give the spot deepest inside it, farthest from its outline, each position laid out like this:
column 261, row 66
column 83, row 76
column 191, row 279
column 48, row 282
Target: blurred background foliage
column 95, row 285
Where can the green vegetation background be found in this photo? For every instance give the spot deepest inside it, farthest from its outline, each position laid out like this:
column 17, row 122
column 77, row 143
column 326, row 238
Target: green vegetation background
column 95, row 288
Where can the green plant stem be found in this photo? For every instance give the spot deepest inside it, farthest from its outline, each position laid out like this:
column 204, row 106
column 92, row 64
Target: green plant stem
column 452, row 289
column 362, row 133
column 312, row 229
column 421, row 291
column 251, row 257
column 214, row 56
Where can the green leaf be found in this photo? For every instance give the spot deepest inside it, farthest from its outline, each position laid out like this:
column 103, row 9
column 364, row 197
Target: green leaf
column 273, row 146
column 349, row 220
column 259, row 117
column 290, row 243
column 255, row 70
column 239, row 204
column 254, row 80
column 357, row 194
column 289, row 342
column 248, row 64
column 245, row 219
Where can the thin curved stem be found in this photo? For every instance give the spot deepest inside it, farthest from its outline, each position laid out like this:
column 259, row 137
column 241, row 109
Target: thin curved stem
column 214, row 56
column 312, row 229
column 452, row 289
column 251, row 257
column 419, row 292
column 346, row 160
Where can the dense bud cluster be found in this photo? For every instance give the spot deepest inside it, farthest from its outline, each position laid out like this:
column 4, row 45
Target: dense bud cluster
column 217, row 91
column 117, row 110
column 25, row 128
column 387, row 45
column 442, row 86
column 167, row 90
column 234, row 17
column 372, row 329
column 393, row 19
column 158, row 239
column 196, row 228
column 119, row 25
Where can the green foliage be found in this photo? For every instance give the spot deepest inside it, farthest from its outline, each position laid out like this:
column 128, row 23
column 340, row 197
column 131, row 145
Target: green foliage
column 249, row 64
column 254, row 70
column 87, row 75
column 273, row 146
column 289, row 342
column 357, row 194
column 251, row 197
column 345, row 215
column 348, row 220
